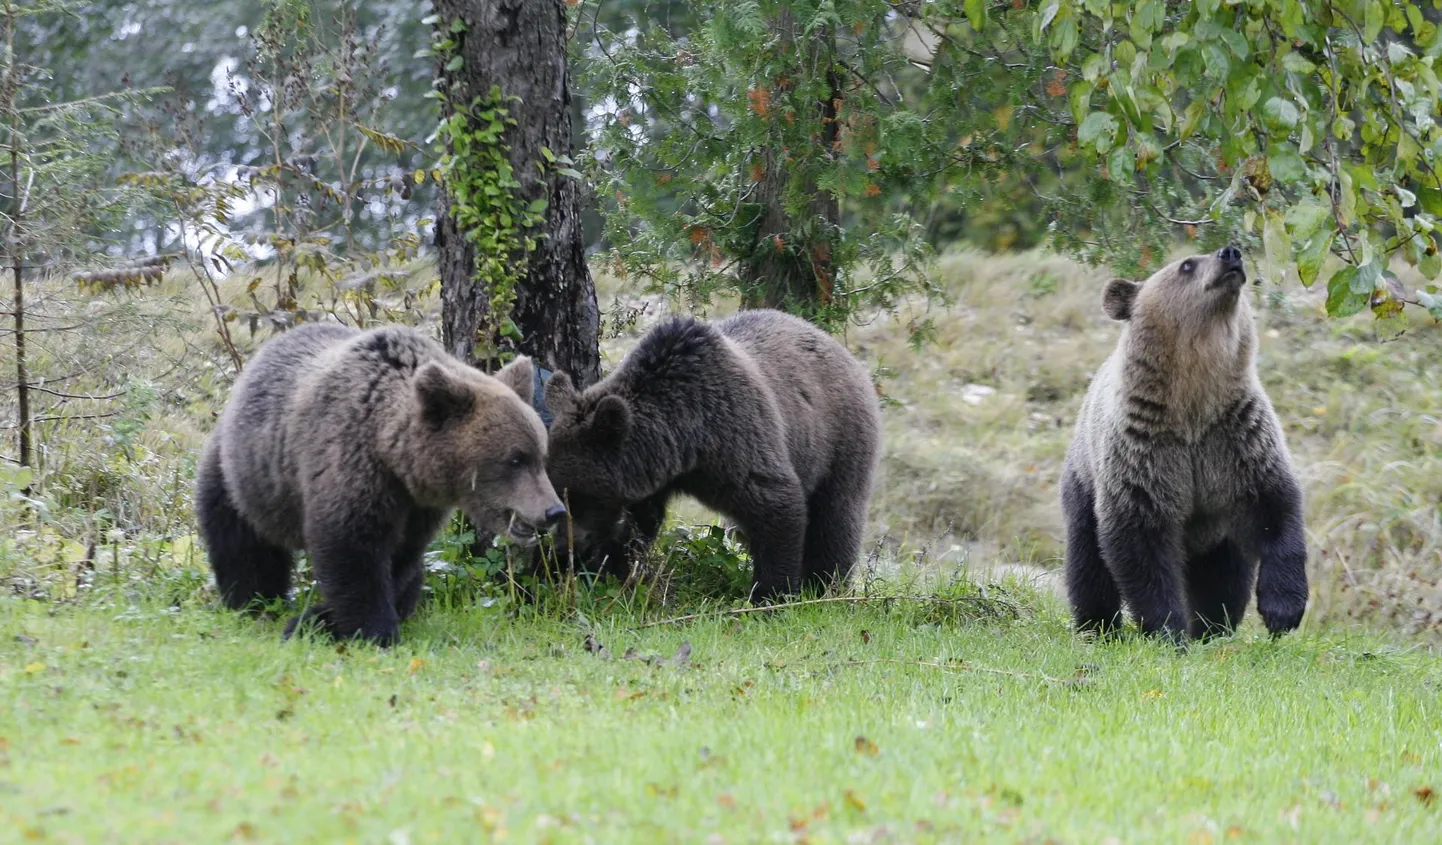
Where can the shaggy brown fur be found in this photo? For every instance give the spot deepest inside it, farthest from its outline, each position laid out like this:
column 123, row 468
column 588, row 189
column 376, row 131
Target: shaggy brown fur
column 762, row 417
column 355, row 446
column 1178, row 479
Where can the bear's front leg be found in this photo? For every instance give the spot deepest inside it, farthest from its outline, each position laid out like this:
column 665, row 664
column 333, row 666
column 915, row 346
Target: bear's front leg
column 351, row 552
column 1282, row 576
column 1142, row 548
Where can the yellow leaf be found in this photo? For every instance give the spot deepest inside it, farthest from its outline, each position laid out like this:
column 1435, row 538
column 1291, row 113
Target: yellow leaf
column 1003, row 116
column 854, row 801
column 34, row 668
column 419, row 177
column 416, row 664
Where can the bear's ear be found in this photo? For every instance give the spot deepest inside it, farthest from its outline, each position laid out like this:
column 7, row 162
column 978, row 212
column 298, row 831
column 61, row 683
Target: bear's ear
column 612, row 421
column 520, row 376
column 1118, row 298
column 443, row 397
column 560, row 394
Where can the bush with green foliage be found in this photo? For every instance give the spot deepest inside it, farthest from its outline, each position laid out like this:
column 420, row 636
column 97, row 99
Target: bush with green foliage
column 1308, row 129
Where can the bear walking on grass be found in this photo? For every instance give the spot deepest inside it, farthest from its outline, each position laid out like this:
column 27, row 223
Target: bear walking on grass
column 762, row 417
column 1178, row 480
column 355, row 446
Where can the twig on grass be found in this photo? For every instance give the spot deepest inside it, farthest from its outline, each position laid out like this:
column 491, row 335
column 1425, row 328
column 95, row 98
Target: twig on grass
column 766, row 608
column 968, row 667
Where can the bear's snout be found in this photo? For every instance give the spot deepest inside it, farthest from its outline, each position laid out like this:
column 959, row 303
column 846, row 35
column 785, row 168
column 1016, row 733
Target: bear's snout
column 554, row 514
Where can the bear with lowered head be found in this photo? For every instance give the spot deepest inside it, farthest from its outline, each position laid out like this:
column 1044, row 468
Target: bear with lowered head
column 761, row 417
column 355, row 446
column 1178, row 491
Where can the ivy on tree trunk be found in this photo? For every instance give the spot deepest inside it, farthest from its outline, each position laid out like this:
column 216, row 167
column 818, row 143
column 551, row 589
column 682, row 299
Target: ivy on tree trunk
column 519, row 48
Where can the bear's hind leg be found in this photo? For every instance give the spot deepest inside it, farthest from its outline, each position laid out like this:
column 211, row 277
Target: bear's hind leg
column 772, row 514
column 1095, row 600
column 1219, row 582
column 248, row 570
column 835, row 523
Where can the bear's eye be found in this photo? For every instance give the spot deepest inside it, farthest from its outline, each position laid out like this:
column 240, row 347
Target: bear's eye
column 519, row 460
column 1188, row 266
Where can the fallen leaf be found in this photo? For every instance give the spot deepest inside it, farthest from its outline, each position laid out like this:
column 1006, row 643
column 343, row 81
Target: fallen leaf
column 866, row 746
column 854, row 801
column 1152, row 693
column 865, row 637
column 34, row 668
column 415, row 665
column 1425, row 794
column 392, row 701
column 726, row 800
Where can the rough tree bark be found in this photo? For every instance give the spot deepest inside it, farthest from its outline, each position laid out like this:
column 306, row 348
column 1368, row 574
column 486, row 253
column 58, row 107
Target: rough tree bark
column 520, row 46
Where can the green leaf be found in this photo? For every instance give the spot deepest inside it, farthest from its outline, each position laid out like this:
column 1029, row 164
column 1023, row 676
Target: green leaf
column 1295, row 63
column 1285, row 164
column 1094, row 66
column 1080, row 97
column 1048, row 14
column 1433, row 304
column 1430, row 266
column 1281, row 112
column 1275, row 243
column 1192, row 118
column 1367, row 278
column 1309, row 262
column 1305, row 218
column 1098, row 131
column 976, row 14
column 1375, row 17
column 1236, row 42
column 1122, row 164
column 455, row 64
column 1341, row 300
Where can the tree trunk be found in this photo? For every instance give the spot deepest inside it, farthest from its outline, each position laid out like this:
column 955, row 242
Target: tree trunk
column 790, row 266
column 520, row 46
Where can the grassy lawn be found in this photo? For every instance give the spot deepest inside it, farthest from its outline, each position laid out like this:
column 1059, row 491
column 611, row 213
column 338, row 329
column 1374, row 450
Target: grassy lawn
column 129, row 719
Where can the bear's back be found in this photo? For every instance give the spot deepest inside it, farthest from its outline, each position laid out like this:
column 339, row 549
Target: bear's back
column 824, row 396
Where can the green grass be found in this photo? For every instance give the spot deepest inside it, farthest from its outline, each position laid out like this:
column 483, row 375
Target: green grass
column 129, row 719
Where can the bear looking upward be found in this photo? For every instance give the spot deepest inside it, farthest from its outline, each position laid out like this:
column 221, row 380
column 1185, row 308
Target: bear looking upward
column 762, row 417
column 1178, row 478
column 355, row 446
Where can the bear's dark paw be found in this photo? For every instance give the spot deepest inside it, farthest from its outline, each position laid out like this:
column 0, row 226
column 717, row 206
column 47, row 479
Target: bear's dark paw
column 1281, row 613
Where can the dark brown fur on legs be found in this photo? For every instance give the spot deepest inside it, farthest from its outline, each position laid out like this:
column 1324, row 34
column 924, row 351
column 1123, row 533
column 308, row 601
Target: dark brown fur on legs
column 762, row 417
column 355, row 446
column 1178, row 490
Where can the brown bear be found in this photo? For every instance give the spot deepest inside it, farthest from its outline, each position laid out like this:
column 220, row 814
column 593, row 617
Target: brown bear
column 355, row 446
column 761, row 417
column 1178, row 480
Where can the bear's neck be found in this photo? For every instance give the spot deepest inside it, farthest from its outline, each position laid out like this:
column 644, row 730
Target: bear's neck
column 1193, row 375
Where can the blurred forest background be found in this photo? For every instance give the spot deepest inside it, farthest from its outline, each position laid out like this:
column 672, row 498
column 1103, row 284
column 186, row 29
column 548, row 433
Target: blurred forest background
column 941, row 183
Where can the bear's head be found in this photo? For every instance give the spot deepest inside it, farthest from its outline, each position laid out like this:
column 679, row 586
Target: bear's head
column 482, row 447
column 1192, row 296
column 588, row 459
